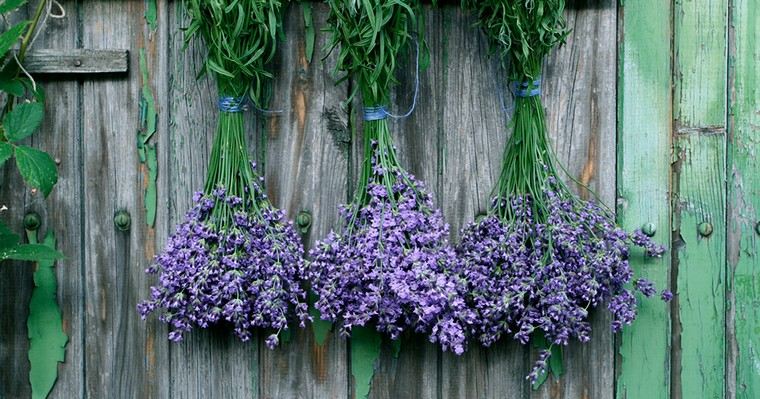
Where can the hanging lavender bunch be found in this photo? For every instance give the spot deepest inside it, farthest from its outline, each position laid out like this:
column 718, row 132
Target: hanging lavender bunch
column 235, row 258
column 541, row 258
column 390, row 265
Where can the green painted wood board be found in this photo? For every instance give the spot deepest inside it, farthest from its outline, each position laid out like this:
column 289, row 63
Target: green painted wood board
column 643, row 177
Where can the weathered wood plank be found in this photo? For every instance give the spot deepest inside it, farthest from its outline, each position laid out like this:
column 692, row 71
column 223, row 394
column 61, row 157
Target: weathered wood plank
column 699, row 261
column 305, row 168
column 579, row 97
column 60, row 136
column 122, row 351
column 473, row 131
column 643, row 174
column 76, row 61
column 207, row 363
column 743, row 377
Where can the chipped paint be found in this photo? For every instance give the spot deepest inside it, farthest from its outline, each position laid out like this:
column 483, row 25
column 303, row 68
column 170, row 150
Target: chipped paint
column 151, row 14
column 146, row 151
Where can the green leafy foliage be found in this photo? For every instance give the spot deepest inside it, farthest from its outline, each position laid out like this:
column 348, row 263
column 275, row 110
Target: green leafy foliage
column 23, row 120
column 37, row 168
column 6, row 152
column 241, row 39
column 368, row 35
column 10, row 5
column 12, row 249
column 523, row 32
column 11, row 36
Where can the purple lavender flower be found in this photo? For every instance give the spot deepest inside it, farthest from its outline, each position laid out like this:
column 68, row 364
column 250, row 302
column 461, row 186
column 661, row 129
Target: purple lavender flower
column 540, row 268
column 248, row 272
column 390, row 266
column 666, row 295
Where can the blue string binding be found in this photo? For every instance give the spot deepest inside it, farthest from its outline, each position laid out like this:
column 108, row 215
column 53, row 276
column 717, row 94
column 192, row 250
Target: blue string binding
column 526, row 89
column 232, row 104
column 379, row 112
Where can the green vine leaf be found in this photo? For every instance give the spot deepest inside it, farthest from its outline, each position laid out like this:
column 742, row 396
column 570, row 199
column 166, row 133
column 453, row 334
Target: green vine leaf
column 37, row 168
column 9, row 37
column 23, row 120
column 30, row 252
column 6, row 152
column 13, row 87
column 10, row 5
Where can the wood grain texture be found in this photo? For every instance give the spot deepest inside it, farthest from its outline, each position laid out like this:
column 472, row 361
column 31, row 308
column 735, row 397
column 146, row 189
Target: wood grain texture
column 643, row 181
column 579, row 93
column 472, row 129
column 60, row 137
column 699, row 173
column 125, row 356
column 306, row 162
column 207, row 363
column 743, row 372
column 76, row 61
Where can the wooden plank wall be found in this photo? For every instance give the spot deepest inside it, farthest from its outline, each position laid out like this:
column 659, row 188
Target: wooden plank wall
column 652, row 105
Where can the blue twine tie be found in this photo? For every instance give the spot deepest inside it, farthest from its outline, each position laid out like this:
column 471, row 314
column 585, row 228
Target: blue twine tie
column 232, row 104
column 379, row 112
column 240, row 104
column 526, row 89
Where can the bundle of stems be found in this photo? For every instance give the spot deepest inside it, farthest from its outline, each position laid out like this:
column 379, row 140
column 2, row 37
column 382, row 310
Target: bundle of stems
column 389, row 266
column 542, row 257
column 236, row 257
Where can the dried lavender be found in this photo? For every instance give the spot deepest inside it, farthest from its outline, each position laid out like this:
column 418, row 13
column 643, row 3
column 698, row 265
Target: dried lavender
column 542, row 258
column 390, row 265
column 235, row 259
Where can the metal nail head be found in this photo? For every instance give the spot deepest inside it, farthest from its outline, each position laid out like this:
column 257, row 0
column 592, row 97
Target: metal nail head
column 705, row 229
column 303, row 220
column 649, row 229
column 122, row 220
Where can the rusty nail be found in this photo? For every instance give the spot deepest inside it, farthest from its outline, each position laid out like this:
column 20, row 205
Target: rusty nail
column 77, row 62
column 122, row 220
column 303, row 220
column 32, row 221
column 649, row 229
column 705, row 229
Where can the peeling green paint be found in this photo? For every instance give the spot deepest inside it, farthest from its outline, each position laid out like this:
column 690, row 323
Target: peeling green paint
column 147, row 152
column 47, row 341
column 365, row 350
column 151, row 191
column 151, row 14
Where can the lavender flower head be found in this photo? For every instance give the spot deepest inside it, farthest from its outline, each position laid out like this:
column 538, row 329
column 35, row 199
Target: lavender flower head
column 540, row 268
column 245, row 269
column 390, row 266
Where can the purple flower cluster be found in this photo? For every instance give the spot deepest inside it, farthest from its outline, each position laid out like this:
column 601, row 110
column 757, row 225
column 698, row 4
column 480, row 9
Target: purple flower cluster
column 391, row 266
column 543, row 268
column 248, row 273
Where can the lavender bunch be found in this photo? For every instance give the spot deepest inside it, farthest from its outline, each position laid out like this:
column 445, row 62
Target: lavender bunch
column 390, row 265
column 542, row 258
column 235, row 258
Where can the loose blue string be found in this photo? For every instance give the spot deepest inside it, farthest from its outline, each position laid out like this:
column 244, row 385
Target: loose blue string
column 380, row 112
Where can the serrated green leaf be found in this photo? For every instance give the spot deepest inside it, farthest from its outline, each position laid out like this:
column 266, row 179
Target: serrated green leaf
column 23, row 120
column 309, row 31
column 6, row 152
column 37, row 168
column 10, row 5
column 13, row 87
column 8, row 240
column 9, row 37
column 30, row 252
